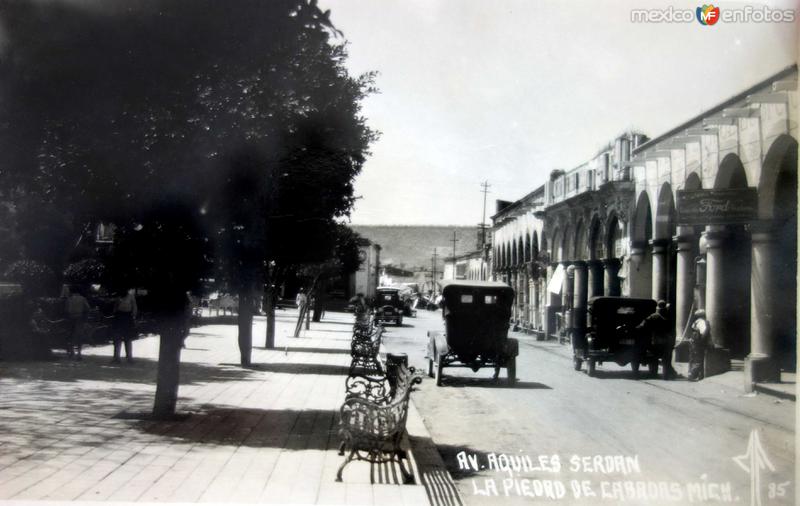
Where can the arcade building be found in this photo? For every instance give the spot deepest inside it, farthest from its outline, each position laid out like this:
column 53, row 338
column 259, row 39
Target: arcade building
column 702, row 216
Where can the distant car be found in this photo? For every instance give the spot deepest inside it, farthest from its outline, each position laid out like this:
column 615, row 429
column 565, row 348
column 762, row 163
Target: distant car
column 389, row 307
column 476, row 317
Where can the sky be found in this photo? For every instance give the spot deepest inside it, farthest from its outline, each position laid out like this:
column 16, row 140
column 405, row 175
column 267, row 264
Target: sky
column 505, row 91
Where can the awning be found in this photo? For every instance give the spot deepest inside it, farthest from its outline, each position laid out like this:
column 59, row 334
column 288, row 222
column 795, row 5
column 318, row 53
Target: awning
column 556, row 280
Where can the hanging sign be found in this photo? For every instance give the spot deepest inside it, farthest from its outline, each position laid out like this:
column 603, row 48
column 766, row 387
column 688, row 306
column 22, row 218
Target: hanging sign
column 716, row 207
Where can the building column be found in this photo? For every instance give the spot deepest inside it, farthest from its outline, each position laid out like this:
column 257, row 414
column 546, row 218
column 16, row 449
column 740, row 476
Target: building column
column 579, row 303
column 611, row 286
column 595, row 278
column 685, row 280
column 761, row 365
column 660, row 250
column 552, row 304
column 717, row 360
column 566, row 286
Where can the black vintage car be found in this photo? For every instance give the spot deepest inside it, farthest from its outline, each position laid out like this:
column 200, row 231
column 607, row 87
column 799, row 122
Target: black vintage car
column 389, row 306
column 476, row 319
column 611, row 335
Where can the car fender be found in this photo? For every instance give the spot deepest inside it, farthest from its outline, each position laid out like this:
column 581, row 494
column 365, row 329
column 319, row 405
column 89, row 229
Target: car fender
column 438, row 341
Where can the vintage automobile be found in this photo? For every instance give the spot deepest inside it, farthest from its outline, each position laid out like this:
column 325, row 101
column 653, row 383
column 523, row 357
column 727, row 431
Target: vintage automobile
column 611, row 335
column 389, row 305
column 476, row 319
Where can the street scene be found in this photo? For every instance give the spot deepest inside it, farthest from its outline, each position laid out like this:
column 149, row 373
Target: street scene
column 439, row 252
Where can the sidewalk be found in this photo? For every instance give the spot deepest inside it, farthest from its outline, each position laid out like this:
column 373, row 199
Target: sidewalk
column 730, row 383
column 80, row 431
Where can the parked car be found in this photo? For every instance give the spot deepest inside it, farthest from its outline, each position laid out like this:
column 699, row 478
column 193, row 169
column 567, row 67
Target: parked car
column 611, row 335
column 388, row 305
column 476, row 320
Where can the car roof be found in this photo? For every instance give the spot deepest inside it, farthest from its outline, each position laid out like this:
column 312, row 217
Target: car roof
column 473, row 283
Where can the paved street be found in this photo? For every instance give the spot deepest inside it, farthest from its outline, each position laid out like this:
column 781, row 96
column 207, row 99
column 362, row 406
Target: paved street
column 606, row 439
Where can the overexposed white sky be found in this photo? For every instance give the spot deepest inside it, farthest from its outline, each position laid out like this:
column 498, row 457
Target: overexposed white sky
column 508, row 90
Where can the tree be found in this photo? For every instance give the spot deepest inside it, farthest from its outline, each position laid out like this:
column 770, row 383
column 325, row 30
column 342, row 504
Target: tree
column 127, row 114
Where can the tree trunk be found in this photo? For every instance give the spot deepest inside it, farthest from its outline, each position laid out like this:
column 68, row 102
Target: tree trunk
column 245, row 322
column 319, row 301
column 300, row 317
column 169, row 359
column 269, row 309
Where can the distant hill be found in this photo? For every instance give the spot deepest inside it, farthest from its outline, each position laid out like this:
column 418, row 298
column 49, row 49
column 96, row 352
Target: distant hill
column 411, row 246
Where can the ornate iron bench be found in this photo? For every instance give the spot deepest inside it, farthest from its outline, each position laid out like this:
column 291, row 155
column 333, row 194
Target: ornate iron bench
column 365, row 350
column 373, row 419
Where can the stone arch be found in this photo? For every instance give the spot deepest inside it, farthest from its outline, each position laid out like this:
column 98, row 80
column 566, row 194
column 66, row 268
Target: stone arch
column 731, row 173
column 693, row 182
column 612, row 235
column 642, row 226
column 527, row 246
column 665, row 213
column 777, row 198
column 731, row 293
column 566, row 244
column 535, row 246
column 520, row 250
column 595, row 236
column 780, row 166
column 579, row 242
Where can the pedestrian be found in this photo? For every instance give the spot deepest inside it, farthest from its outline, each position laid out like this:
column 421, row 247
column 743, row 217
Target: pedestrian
column 656, row 329
column 698, row 343
column 301, row 299
column 77, row 308
column 124, row 325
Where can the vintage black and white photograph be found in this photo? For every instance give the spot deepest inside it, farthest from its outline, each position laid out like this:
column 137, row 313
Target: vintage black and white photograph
column 398, row 252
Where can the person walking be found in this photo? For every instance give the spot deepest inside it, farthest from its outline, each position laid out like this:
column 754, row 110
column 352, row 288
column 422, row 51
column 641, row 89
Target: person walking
column 656, row 329
column 124, row 325
column 698, row 343
column 301, row 299
column 77, row 308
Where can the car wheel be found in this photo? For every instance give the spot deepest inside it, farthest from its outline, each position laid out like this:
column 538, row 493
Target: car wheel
column 439, row 373
column 577, row 363
column 635, row 368
column 590, row 367
column 511, row 371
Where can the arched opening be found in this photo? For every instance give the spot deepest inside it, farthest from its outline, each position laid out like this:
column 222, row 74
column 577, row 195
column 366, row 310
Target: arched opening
column 527, row 246
column 733, row 325
column 596, row 249
column 580, row 252
column 535, row 247
column 778, row 202
column 640, row 268
column 666, row 269
column 566, row 244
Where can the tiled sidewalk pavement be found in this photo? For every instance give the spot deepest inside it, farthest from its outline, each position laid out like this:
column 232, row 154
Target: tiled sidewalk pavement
column 78, row 431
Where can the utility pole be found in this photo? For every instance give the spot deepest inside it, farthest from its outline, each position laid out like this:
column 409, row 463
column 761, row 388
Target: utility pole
column 484, row 260
column 485, row 189
column 433, row 281
column 454, row 241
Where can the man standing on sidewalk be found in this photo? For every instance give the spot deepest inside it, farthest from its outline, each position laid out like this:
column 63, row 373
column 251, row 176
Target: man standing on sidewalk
column 77, row 312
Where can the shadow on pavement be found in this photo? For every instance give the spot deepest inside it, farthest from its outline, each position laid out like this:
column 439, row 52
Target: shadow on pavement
column 300, row 349
column 100, row 368
column 312, row 429
column 461, row 382
column 289, row 368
